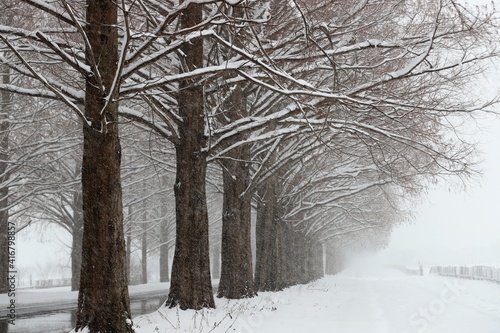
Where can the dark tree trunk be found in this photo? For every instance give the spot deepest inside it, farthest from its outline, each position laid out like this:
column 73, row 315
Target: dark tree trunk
column 103, row 300
column 5, row 104
column 191, row 285
column 269, row 239
column 236, row 280
column 76, row 248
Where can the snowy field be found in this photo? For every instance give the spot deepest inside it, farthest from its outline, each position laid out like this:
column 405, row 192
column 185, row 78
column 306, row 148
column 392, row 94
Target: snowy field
column 374, row 300
column 367, row 299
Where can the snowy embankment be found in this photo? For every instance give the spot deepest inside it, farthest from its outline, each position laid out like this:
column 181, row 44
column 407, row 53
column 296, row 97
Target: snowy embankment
column 356, row 301
column 30, row 301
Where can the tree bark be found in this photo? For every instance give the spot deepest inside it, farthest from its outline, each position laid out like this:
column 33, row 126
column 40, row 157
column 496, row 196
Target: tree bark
column 236, row 280
column 103, row 300
column 5, row 104
column 269, row 240
column 191, row 285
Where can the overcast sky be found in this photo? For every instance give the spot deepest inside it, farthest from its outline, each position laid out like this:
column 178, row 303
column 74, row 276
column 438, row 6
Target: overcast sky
column 454, row 227
column 451, row 227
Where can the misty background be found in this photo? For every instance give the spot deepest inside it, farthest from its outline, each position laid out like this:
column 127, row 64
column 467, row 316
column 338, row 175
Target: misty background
column 452, row 224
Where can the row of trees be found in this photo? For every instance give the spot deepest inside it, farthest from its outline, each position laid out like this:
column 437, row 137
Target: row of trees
column 323, row 117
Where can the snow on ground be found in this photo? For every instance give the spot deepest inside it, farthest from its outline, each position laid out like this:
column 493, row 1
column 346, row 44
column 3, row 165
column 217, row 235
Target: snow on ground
column 362, row 299
column 359, row 300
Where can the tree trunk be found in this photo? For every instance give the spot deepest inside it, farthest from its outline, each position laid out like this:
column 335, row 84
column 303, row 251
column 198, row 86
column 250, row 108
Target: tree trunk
column 294, row 257
column 236, row 280
column 314, row 261
column 103, row 300
column 191, row 285
column 164, row 238
column 269, row 239
column 333, row 260
column 5, row 104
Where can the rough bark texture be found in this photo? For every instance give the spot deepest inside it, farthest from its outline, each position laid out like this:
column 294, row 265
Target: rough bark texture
column 103, row 300
column 5, row 104
column 236, row 280
column 269, row 240
column 191, row 285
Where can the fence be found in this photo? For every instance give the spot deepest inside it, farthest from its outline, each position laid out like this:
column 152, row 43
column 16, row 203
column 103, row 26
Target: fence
column 474, row 273
column 49, row 283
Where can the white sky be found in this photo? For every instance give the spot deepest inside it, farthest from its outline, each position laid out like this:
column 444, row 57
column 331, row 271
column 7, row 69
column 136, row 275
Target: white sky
column 459, row 228
column 453, row 228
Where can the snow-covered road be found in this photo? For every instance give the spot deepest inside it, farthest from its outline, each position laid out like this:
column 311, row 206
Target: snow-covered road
column 388, row 301
column 366, row 299
column 375, row 300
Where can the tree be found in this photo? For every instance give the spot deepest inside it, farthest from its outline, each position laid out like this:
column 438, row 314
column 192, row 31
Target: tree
column 191, row 286
column 103, row 301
